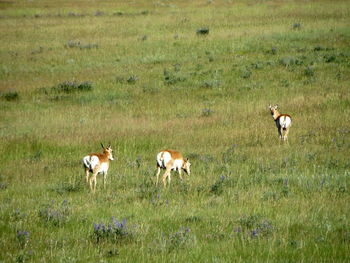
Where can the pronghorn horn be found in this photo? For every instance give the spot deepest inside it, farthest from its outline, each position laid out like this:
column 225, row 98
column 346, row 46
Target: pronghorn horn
column 102, row 145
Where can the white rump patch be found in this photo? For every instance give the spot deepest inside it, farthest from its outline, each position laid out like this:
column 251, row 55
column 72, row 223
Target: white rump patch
column 90, row 162
column 285, row 122
column 163, row 158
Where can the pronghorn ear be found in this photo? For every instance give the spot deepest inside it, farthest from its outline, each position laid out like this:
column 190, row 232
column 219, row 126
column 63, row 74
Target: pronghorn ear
column 276, row 106
column 270, row 106
column 102, row 145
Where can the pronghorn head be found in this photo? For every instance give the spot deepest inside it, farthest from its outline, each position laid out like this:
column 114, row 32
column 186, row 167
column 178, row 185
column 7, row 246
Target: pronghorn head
column 274, row 111
column 187, row 166
column 108, row 151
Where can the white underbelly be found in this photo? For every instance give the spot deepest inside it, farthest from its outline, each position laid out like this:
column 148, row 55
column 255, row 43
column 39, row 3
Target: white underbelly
column 103, row 168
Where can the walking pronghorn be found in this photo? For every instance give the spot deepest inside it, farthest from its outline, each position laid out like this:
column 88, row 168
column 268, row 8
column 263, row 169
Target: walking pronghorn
column 283, row 122
column 96, row 163
column 171, row 160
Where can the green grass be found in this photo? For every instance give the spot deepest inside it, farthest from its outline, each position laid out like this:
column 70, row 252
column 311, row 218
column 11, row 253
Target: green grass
column 153, row 83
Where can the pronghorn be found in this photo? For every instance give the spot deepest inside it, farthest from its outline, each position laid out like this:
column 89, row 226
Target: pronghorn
column 283, row 122
column 96, row 163
column 171, row 160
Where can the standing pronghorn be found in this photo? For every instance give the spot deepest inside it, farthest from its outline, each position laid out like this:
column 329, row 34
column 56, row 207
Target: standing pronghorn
column 171, row 160
column 96, row 163
column 283, row 122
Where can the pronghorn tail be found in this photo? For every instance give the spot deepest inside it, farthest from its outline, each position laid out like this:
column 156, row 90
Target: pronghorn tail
column 89, row 162
column 284, row 122
column 160, row 161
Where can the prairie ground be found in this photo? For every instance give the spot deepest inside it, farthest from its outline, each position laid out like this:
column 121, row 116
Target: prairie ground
column 195, row 76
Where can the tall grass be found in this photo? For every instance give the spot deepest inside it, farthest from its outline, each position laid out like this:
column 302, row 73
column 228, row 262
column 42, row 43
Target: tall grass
column 154, row 83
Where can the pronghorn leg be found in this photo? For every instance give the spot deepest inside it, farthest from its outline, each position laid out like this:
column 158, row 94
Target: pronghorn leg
column 164, row 178
column 286, row 134
column 167, row 175
column 87, row 175
column 280, row 133
column 158, row 172
column 93, row 182
column 104, row 179
column 168, row 169
column 180, row 174
column 169, row 178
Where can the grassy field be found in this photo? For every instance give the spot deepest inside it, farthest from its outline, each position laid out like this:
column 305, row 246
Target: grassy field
column 143, row 76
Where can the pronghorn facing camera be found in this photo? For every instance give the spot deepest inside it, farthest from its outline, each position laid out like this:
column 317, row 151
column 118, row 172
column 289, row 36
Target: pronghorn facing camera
column 96, row 163
column 283, row 122
column 171, row 160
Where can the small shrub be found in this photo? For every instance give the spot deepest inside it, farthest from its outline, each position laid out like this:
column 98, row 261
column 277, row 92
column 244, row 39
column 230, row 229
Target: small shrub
column 285, row 188
column 257, row 65
column 178, row 239
column 285, row 83
column 175, row 241
column 68, row 187
column 206, row 112
column 89, row 46
column 251, row 87
column 204, row 158
column 3, row 185
column 330, row 58
column 150, row 90
column 171, row 78
column 147, row 189
column 184, row 187
column 36, row 156
column 24, row 256
column 213, row 83
column 77, row 44
column 99, row 13
column 246, row 74
column 119, row 79
column 55, row 214
column 218, row 187
column 112, row 252
column 272, row 51
column 268, row 196
column 17, row 215
column 37, row 51
column 296, row 26
column 193, row 219
column 145, row 12
column 22, row 238
column 10, row 95
column 203, row 31
column 309, row 72
column 72, row 44
column 319, row 48
column 143, row 38
column 229, row 155
column 253, row 226
column 290, row 61
column 156, row 200
column 118, row 13
column 132, row 79
column 116, row 231
column 73, row 14
column 72, row 86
